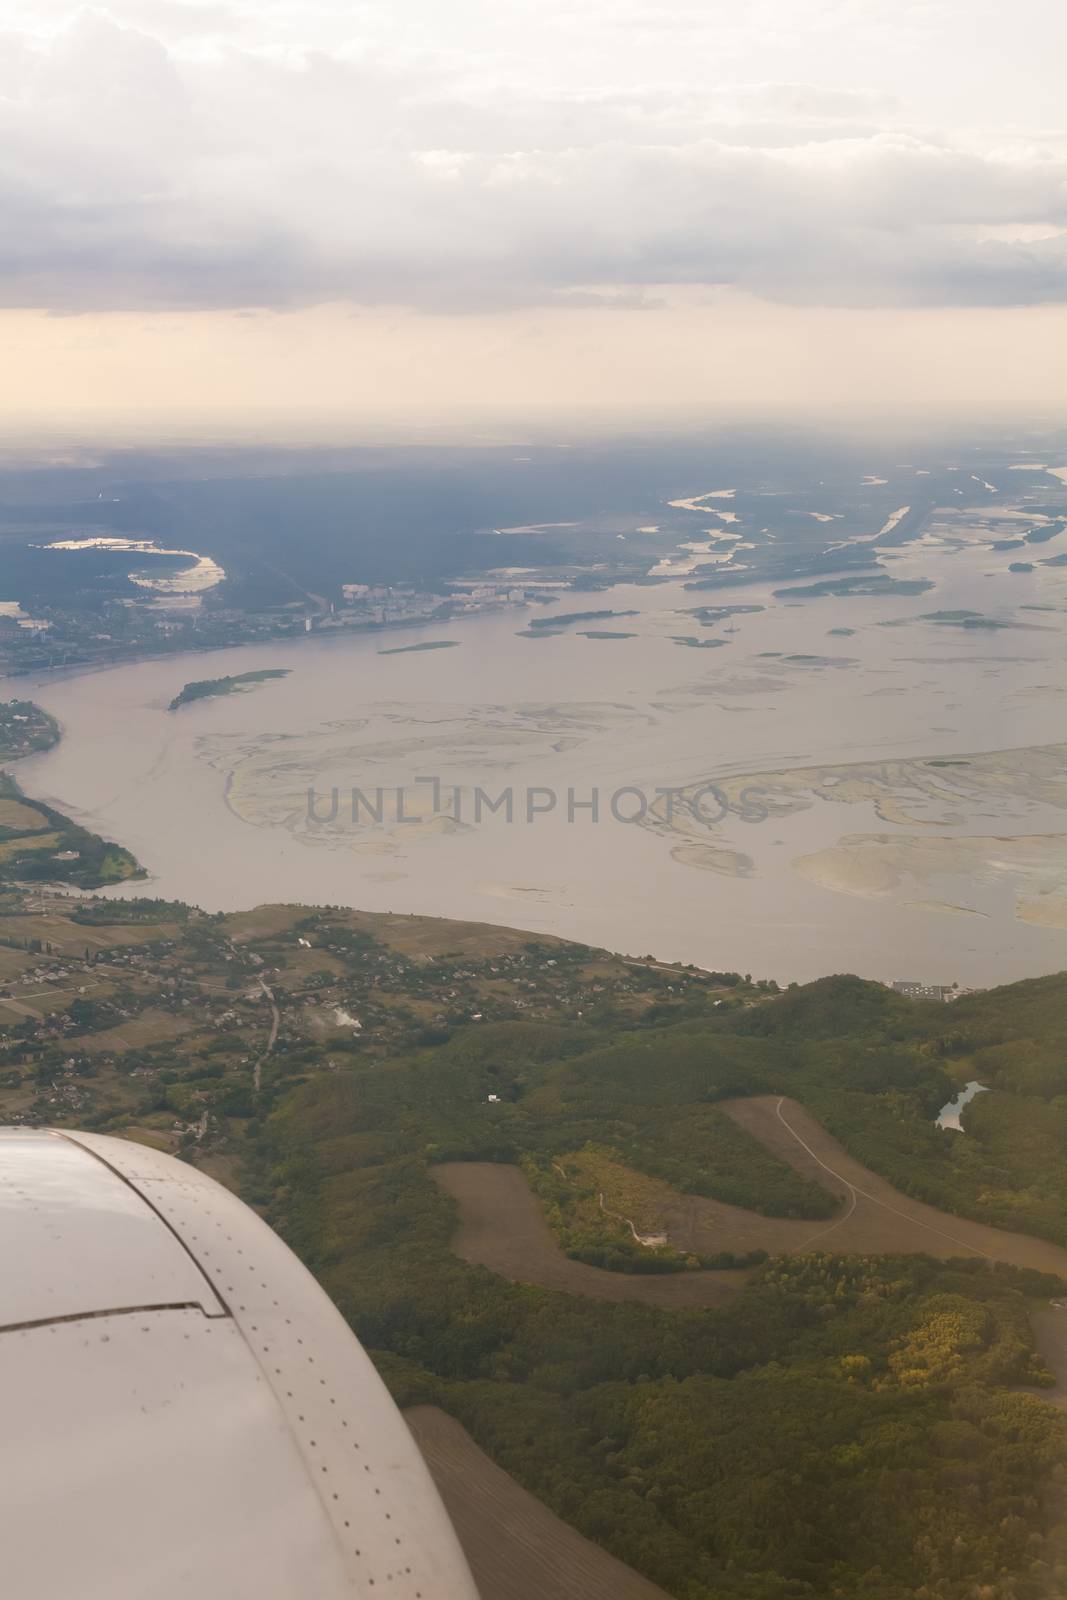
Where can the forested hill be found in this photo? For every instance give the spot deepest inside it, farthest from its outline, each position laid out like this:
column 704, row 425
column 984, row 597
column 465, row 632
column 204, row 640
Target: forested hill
column 820, row 1426
column 849, row 1425
column 875, row 1068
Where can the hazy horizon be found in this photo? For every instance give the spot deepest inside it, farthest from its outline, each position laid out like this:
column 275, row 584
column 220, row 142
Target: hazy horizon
column 329, row 211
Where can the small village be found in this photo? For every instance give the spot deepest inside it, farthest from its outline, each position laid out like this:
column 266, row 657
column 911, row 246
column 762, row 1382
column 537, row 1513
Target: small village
column 185, row 1027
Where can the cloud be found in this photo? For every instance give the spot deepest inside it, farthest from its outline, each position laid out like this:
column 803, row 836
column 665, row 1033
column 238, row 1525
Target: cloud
column 133, row 176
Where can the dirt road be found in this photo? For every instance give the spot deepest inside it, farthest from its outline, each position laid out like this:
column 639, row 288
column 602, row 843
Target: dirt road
column 275, row 1021
column 503, row 1227
column 874, row 1216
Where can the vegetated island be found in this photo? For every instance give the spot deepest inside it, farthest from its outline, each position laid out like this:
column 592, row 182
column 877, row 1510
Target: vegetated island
column 1042, row 535
column 709, row 615
column 964, row 619
column 25, row 729
column 539, row 624
column 208, row 688
column 425, row 644
column 863, row 584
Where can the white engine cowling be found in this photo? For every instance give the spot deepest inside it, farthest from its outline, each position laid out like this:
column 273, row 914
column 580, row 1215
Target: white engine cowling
column 184, row 1415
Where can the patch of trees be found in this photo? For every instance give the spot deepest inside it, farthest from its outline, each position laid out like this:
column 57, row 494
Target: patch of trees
column 845, row 1427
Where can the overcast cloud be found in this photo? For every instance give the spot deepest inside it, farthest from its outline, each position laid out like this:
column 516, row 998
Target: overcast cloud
column 828, row 152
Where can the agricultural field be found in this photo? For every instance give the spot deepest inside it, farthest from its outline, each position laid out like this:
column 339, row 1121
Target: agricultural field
column 144, row 1013
column 517, row 1548
column 502, row 1227
column 608, row 1213
column 18, row 816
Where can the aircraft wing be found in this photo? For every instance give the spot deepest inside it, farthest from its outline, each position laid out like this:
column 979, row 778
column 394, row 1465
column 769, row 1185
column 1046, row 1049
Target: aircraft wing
column 183, row 1412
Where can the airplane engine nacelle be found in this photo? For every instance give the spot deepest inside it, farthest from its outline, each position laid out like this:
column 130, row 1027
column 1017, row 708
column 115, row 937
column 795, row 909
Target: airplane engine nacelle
column 184, row 1415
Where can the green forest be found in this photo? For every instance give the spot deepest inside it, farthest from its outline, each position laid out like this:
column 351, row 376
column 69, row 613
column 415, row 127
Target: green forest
column 853, row 1425
column 812, row 1427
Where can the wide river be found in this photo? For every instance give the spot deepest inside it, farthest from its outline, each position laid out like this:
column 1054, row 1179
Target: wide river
column 959, row 875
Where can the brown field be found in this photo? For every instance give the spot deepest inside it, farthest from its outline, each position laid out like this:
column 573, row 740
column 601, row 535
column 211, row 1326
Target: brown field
column 424, row 938
column 40, row 999
column 53, row 927
column 1050, row 1336
column 81, row 936
column 263, row 921
column 429, row 936
column 140, row 1133
column 13, row 963
column 12, row 1011
column 301, row 963
column 874, row 1216
column 42, row 1002
column 503, row 1227
column 27, row 842
column 517, row 1548
column 150, row 1027
column 14, row 814
column 409, row 935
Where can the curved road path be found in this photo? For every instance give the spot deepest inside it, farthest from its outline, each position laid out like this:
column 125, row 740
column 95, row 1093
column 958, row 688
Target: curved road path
column 503, row 1227
column 875, row 1216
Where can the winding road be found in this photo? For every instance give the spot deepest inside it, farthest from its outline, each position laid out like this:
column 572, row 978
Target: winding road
column 503, row 1227
column 854, row 1193
column 875, row 1217
column 275, row 1022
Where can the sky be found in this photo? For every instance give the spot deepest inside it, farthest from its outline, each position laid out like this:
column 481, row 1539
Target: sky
column 430, row 206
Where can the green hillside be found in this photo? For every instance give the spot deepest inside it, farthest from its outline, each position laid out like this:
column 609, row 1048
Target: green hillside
column 848, row 1426
column 824, row 1428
